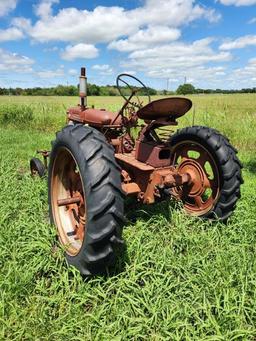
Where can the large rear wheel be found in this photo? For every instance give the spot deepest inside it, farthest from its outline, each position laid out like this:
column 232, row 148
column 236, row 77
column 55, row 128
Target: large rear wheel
column 214, row 169
column 85, row 198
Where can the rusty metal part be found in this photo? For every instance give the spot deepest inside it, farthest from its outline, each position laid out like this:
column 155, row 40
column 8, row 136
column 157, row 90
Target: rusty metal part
column 126, row 143
column 139, row 178
column 131, row 188
column 150, row 149
column 167, row 107
column 201, row 193
column 115, row 142
column 163, row 178
column 153, row 154
column 120, row 115
column 140, row 196
column 68, row 201
column 94, row 117
column 125, row 175
column 45, row 154
column 128, row 159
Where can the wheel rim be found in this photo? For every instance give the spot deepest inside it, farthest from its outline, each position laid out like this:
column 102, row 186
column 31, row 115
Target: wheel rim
column 68, row 201
column 202, row 192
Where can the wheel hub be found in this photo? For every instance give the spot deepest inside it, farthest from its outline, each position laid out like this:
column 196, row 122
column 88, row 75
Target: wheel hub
column 197, row 175
column 201, row 192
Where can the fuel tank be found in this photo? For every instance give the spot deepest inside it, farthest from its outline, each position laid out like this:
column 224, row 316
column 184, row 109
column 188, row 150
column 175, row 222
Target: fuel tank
column 93, row 117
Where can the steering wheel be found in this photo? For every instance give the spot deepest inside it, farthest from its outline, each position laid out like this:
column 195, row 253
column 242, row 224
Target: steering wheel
column 133, row 89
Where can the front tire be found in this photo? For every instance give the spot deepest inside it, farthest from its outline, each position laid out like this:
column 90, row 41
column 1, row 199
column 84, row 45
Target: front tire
column 37, row 168
column 83, row 171
column 213, row 162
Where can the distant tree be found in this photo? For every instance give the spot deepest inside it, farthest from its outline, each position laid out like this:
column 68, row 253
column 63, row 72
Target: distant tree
column 93, row 90
column 150, row 91
column 111, row 90
column 186, row 89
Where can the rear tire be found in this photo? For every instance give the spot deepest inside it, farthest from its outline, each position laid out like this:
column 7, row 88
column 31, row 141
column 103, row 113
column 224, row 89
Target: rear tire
column 100, row 190
column 224, row 156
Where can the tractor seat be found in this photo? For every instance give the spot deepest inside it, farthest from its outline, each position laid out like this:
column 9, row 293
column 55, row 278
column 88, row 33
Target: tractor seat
column 163, row 108
column 100, row 117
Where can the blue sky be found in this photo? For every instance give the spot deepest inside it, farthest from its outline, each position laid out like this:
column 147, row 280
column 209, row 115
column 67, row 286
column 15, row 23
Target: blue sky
column 211, row 43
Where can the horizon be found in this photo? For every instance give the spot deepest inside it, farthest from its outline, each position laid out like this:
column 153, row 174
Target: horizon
column 113, row 85
column 211, row 44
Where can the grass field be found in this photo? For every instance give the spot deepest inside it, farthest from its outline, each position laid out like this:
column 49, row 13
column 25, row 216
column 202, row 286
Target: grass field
column 179, row 279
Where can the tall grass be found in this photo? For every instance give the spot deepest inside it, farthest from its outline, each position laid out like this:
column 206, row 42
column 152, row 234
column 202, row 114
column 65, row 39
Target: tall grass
column 233, row 115
column 179, row 279
column 16, row 115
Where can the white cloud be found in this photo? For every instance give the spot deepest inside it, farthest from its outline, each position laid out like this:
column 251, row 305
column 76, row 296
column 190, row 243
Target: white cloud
column 252, row 21
column 22, row 23
column 249, row 71
column 243, row 77
column 238, row 2
column 11, row 33
column 44, row 8
column 104, row 69
column 73, row 72
column 51, row 73
column 130, row 72
column 79, row 51
column 51, row 49
column 14, row 62
column 100, row 67
column 177, row 60
column 173, row 13
column 220, row 73
column 6, row 6
column 199, row 76
column 153, row 35
column 239, row 43
column 152, row 24
column 72, row 25
column 105, row 24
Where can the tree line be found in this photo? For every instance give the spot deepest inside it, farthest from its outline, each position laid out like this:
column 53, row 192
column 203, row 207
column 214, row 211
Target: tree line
column 186, row 89
column 111, row 90
column 71, row 90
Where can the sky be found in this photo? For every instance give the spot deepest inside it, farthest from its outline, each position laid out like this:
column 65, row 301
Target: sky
column 209, row 43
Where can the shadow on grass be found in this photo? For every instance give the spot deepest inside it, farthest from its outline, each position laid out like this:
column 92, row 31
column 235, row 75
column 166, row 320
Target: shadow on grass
column 121, row 260
column 136, row 211
column 144, row 212
column 250, row 166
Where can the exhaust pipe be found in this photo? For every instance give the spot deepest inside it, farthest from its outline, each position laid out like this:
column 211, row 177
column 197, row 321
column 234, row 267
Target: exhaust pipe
column 83, row 88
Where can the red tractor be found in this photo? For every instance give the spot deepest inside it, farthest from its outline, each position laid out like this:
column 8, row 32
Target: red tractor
column 95, row 163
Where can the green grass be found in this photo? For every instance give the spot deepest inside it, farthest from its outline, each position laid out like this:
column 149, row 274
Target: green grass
column 179, row 278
